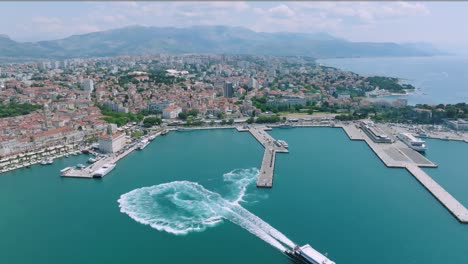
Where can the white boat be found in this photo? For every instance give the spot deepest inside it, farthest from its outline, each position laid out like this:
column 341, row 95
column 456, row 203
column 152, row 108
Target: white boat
column 307, row 254
column 63, row 171
column 91, row 160
column 50, row 161
column 80, row 166
column 283, row 143
column 412, row 142
column 43, row 162
column 104, row 170
column 143, row 144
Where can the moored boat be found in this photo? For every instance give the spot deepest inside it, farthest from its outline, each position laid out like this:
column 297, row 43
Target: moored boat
column 104, row 170
column 412, row 142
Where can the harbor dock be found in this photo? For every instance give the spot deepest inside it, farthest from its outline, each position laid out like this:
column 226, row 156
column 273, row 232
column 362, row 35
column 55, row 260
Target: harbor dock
column 265, row 176
column 398, row 155
column 88, row 171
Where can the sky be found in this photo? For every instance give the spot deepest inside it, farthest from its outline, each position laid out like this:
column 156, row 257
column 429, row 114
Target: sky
column 440, row 23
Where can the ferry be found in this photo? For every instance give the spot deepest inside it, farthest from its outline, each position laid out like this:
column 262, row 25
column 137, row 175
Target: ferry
column 63, row 171
column 143, row 144
column 104, row 170
column 283, row 143
column 307, row 255
column 412, row 142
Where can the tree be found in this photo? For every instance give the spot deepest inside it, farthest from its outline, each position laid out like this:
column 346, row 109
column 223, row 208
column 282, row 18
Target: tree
column 151, row 121
column 230, row 121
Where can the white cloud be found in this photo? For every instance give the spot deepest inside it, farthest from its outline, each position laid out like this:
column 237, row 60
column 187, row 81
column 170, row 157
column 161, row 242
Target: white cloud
column 281, row 11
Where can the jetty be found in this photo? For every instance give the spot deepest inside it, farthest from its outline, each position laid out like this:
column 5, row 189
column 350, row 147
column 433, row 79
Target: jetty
column 272, row 146
column 398, row 155
column 88, row 171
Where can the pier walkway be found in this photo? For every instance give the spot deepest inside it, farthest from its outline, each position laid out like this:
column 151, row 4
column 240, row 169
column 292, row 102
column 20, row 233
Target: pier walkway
column 398, row 155
column 265, row 177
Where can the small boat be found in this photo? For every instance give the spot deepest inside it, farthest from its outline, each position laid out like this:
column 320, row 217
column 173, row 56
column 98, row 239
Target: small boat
column 80, row 166
column 50, row 161
column 85, row 151
column 91, row 160
column 75, row 154
column 164, row 132
column 43, row 162
column 66, row 156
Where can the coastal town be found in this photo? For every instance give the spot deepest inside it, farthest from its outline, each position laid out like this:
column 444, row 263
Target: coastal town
column 72, row 103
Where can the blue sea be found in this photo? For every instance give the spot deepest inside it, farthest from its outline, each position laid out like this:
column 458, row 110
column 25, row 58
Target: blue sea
column 440, row 79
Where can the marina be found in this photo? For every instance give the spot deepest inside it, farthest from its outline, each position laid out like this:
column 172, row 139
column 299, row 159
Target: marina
column 272, row 146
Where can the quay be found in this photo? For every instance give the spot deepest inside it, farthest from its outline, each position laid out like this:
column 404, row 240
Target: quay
column 398, row 155
column 88, row 171
column 265, row 176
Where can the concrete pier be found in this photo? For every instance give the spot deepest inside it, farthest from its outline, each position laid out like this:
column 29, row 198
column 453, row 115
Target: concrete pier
column 88, row 171
column 444, row 197
column 265, row 177
column 398, row 155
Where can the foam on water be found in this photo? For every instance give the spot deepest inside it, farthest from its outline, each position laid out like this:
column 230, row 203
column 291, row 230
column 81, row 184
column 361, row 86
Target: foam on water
column 181, row 207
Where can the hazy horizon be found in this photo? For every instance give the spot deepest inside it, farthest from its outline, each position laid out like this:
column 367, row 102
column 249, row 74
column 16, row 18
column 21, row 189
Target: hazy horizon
column 437, row 23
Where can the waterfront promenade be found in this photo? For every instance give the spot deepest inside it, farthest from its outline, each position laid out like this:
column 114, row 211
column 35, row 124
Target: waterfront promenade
column 398, row 155
column 265, row 176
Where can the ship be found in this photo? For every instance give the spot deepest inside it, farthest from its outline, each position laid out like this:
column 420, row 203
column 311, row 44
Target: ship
column 104, row 170
column 65, row 170
column 283, row 143
column 307, row 255
column 412, row 142
column 143, row 144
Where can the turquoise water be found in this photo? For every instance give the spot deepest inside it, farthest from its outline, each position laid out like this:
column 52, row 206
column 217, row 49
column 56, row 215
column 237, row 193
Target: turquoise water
column 452, row 158
column 330, row 192
column 439, row 79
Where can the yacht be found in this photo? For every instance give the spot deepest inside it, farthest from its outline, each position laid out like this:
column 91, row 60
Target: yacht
column 143, row 144
column 104, row 170
column 307, row 255
column 412, row 142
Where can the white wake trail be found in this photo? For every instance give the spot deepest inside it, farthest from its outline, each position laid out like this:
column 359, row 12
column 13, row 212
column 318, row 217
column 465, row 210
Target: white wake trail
column 182, row 207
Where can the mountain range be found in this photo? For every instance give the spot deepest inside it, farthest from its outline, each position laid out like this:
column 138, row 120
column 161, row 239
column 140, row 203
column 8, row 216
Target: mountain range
column 139, row 40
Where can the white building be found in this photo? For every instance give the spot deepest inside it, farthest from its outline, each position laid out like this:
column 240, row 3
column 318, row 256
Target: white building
column 171, row 112
column 111, row 143
column 88, row 85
